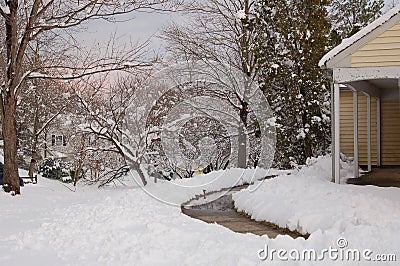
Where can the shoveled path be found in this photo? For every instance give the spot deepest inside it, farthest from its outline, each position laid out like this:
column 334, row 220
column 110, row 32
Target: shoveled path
column 221, row 211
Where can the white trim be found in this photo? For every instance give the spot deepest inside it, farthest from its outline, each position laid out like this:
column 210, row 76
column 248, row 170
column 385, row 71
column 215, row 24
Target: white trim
column 355, row 122
column 378, row 133
column 369, row 132
column 333, row 129
column 336, row 99
column 346, row 75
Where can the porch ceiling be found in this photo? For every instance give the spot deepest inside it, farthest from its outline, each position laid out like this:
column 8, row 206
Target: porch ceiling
column 386, row 89
column 386, row 84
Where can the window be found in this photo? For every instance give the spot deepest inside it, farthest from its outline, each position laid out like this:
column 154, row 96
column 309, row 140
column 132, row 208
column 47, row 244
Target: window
column 58, row 140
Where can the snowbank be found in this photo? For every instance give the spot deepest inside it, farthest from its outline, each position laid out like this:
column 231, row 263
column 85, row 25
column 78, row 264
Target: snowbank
column 368, row 217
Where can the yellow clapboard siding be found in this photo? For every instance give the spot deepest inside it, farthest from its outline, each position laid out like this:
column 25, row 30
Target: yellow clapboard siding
column 377, row 53
column 383, row 46
column 390, row 132
column 384, row 50
column 376, row 59
column 347, row 128
column 384, row 39
column 390, row 33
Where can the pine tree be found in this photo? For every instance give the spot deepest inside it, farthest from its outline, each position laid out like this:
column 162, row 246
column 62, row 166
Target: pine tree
column 296, row 37
column 349, row 16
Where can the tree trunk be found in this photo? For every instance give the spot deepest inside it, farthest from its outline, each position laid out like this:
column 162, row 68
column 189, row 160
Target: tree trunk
column 45, row 145
column 77, row 171
column 242, row 139
column 136, row 166
column 32, row 165
column 34, row 156
column 307, row 139
column 11, row 177
column 242, row 148
column 308, row 148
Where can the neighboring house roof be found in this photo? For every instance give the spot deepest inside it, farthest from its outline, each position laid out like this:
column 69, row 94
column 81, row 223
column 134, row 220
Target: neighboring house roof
column 347, row 43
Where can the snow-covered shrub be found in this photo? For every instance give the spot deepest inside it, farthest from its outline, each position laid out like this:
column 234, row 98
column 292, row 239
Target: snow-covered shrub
column 55, row 169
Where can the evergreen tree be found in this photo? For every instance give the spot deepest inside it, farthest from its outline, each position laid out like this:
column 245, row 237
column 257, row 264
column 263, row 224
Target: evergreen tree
column 349, row 16
column 296, row 37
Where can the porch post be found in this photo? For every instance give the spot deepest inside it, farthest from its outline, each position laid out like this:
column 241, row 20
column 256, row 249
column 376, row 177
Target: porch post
column 378, row 135
column 336, row 136
column 369, row 132
column 355, row 121
column 333, row 129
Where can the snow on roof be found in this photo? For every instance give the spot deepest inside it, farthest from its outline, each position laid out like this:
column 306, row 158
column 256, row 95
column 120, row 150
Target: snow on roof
column 346, row 43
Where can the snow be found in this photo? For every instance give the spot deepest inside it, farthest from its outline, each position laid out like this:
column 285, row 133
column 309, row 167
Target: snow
column 359, row 35
column 241, row 14
column 5, row 9
column 367, row 217
column 49, row 224
column 129, row 64
column 182, row 190
column 37, row 75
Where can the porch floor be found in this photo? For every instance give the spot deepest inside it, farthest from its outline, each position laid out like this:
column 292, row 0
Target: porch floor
column 381, row 177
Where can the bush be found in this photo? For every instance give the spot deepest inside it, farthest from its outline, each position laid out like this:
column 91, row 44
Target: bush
column 55, row 169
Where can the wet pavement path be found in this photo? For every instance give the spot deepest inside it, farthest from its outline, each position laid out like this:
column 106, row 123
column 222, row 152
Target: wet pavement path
column 221, row 211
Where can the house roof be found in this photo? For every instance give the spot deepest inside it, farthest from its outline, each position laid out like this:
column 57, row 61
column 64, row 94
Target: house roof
column 346, row 43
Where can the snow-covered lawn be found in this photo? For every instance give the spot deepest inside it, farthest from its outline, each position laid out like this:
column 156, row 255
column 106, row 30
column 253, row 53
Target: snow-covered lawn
column 50, row 225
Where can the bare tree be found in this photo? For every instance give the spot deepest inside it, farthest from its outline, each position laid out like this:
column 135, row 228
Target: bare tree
column 221, row 35
column 29, row 20
column 40, row 106
column 116, row 127
column 40, row 103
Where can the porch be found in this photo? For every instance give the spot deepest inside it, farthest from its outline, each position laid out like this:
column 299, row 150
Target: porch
column 374, row 128
column 379, row 176
column 367, row 67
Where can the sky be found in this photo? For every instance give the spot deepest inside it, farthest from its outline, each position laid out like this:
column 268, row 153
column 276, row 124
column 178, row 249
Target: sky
column 140, row 27
column 134, row 27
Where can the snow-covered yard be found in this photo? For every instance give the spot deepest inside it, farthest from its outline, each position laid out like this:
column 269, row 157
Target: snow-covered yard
column 50, row 225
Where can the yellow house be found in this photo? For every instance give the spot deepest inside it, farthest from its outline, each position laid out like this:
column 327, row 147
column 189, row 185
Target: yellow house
column 365, row 70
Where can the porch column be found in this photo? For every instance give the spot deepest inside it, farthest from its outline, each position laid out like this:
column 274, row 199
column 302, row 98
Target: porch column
column 336, row 133
column 378, row 135
column 369, row 132
column 355, row 121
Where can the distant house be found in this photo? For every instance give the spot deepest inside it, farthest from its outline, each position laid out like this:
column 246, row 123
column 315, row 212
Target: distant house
column 59, row 139
column 57, row 144
column 366, row 85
